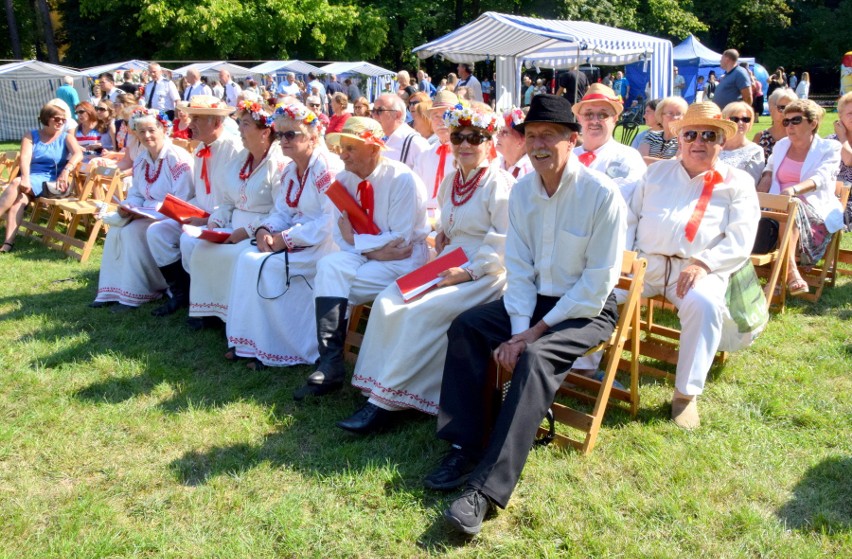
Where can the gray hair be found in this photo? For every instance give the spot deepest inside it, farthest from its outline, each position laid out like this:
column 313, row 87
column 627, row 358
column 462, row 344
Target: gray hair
column 782, row 93
column 68, row 80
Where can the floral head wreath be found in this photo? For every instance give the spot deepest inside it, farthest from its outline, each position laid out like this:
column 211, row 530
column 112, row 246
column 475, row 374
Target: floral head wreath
column 463, row 115
column 142, row 113
column 257, row 112
column 296, row 112
column 513, row 117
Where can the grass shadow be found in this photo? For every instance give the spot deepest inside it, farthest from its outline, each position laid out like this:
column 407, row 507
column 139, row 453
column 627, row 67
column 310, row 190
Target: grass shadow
column 822, row 500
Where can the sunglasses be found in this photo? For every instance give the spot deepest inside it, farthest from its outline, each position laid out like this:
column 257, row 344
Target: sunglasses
column 473, row 139
column 795, row 121
column 413, row 103
column 380, row 111
column 595, row 116
column 739, row 119
column 80, row 112
column 101, row 109
column 314, row 105
column 289, row 135
column 709, row 136
column 58, row 119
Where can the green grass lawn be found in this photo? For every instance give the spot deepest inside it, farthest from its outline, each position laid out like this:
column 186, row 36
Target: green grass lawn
column 130, row 436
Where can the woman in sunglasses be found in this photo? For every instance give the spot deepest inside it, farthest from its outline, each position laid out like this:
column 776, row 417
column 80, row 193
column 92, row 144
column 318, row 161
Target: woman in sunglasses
column 401, row 361
column 271, row 308
column 106, row 123
column 778, row 101
column 805, row 165
column 87, row 133
column 739, row 151
column 695, row 219
column 48, row 154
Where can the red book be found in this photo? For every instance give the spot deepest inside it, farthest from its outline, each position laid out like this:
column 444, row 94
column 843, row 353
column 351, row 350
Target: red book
column 423, row 279
column 180, row 210
column 344, row 201
column 212, row 235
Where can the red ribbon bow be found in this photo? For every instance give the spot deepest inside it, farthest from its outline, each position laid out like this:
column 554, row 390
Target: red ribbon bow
column 365, row 198
column 204, row 154
column 711, row 179
column 443, row 150
column 587, row 157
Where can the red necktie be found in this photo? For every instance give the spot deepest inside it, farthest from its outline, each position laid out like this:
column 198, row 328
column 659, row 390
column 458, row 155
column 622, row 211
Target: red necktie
column 516, row 171
column 711, row 179
column 587, row 157
column 204, row 154
column 443, row 150
column 365, row 198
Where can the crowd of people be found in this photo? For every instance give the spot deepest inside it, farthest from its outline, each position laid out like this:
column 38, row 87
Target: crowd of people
column 318, row 215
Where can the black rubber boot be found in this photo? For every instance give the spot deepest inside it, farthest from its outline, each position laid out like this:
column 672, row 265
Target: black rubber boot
column 331, row 334
column 178, row 281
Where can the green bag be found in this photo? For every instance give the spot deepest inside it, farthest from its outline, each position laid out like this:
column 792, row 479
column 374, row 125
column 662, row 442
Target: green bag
column 747, row 306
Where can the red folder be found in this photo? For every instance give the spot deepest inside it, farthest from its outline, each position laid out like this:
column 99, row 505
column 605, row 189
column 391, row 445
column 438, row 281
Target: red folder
column 180, row 210
column 212, row 235
column 344, row 201
column 423, row 279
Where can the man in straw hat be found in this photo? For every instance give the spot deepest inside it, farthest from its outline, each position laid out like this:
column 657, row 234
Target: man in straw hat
column 437, row 162
column 597, row 113
column 215, row 153
column 395, row 199
column 695, row 220
column 563, row 256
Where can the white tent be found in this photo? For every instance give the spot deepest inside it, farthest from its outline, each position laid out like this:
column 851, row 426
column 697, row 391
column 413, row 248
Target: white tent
column 137, row 65
column 514, row 41
column 376, row 76
column 281, row 67
column 211, row 69
column 25, row 87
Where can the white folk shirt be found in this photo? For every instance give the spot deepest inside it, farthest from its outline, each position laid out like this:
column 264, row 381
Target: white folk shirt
column 621, row 163
column 522, row 166
column 569, row 245
column 198, row 88
column 310, row 223
column 165, row 95
column 175, row 176
column 399, row 210
column 223, row 151
column 416, row 148
column 664, row 202
column 426, row 167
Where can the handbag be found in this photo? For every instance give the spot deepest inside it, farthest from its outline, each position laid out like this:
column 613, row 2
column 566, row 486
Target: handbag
column 50, row 189
column 746, row 304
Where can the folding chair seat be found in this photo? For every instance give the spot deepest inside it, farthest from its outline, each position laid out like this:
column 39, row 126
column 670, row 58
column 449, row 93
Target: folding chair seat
column 42, row 217
column 182, row 143
column 10, row 165
column 773, row 265
column 820, row 276
column 589, row 390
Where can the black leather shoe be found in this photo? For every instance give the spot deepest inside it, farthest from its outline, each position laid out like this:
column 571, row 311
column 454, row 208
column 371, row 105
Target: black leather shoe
column 121, row 308
column 197, row 323
column 369, row 419
column 100, row 304
column 466, row 513
column 316, row 389
column 453, row 471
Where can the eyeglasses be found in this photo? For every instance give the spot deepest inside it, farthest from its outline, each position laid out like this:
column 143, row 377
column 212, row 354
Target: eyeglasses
column 289, row 135
column 780, row 108
column 101, row 109
column 314, row 104
column 380, row 111
column 473, row 139
column 58, row 119
column 739, row 119
column 795, row 121
column 709, row 136
column 595, row 116
column 80, row 112
column 673, row 115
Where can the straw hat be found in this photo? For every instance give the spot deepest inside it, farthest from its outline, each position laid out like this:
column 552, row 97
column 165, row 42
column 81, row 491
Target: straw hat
column 205, row 105
column 359, row 128
column 704, row 114
column 598, row 92
column 444, row 100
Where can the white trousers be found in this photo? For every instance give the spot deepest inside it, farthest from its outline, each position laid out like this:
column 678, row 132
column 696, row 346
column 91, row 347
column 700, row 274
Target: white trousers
column 164, row 241
column 187, row 247
column 355, row 277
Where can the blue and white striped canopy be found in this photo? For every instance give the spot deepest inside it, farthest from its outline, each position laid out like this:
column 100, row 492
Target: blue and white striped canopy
column 282, row 66
column 513, row 41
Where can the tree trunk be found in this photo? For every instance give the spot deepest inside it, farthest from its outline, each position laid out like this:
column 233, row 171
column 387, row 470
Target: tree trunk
column 13, row 30
column 47, row 27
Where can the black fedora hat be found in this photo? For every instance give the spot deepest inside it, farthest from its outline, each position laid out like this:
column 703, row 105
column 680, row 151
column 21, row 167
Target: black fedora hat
column 550, row 108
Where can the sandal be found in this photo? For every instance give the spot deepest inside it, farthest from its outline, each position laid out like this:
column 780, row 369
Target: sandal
column 797, row 286
column 3, row 248
column 256, row 365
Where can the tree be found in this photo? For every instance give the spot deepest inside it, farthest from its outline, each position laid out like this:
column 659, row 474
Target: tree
column 14, row 38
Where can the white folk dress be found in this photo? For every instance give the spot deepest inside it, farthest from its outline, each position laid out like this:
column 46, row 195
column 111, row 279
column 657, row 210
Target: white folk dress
column 245, row 203
column 401, row 361
column 129, row 274
column 266, row 319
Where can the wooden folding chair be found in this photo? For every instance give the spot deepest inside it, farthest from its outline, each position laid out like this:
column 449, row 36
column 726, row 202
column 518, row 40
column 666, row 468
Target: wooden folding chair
column 820, row 276
column 10, row 165
column 41, row 213
column 78, row 237
column 598, row 393
column 773, row 265
column 355, row 331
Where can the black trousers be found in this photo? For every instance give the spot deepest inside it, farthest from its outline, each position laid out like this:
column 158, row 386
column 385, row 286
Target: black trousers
column 538, row 374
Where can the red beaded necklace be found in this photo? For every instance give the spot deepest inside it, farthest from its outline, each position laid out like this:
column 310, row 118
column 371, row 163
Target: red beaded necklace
column 152, row 180
column 463, row 191
column 248, row 167
column 293, row 202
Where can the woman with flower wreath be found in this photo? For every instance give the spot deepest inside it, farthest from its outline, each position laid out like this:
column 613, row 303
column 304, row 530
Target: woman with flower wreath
column 129, row 275
column 271, row 309
column 252, row 182
column 401, row 361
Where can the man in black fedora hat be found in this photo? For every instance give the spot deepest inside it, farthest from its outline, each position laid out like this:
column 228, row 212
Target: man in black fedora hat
column 567, row 227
